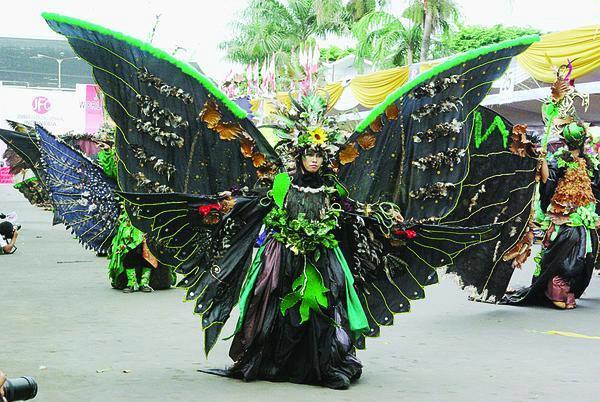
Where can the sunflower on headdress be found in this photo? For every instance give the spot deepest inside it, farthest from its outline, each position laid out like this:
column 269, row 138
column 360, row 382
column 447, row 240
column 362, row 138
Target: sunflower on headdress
column 318, row 135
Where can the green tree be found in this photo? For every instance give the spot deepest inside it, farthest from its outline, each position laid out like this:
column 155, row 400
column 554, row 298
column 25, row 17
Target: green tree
column 474, row 36
column 386, row 40
column 333, row 53
column 435, row 17
column 272, row 26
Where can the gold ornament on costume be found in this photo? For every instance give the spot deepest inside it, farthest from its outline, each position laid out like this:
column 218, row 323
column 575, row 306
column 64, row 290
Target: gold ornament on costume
column 228, row 131
column 366, row 140
column 348, row 154
column 210, row 114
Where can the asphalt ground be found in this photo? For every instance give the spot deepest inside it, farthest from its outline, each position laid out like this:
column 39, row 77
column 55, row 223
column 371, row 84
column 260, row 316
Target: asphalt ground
column 61, row 323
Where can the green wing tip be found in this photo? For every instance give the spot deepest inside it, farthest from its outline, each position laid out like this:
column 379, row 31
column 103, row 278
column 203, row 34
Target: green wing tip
column 454, row 61
column 161, row 54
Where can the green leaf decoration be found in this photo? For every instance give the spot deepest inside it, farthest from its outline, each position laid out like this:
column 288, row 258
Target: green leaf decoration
column 309, row 289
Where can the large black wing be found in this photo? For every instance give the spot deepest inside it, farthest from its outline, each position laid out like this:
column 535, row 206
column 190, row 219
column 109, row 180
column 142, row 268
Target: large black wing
column 83, row 197
column 176, row 131
column 498, row 190
column 430, row 118
column 392, row 270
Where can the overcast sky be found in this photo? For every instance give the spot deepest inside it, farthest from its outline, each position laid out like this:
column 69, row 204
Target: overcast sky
column 200, row 25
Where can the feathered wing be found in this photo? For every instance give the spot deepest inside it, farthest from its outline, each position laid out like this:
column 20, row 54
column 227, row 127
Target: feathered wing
column 176, row 131
column 432, row 149
column 430, row 117
column 392, row 269
column 83, row 197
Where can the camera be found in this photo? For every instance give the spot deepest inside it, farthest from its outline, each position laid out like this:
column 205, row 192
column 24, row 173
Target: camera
column 20, row 389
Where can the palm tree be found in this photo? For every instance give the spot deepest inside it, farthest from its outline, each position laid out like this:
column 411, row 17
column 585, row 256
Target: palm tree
column 385, row 40
column 434, row 16
column 357, row 9
column 270, row 26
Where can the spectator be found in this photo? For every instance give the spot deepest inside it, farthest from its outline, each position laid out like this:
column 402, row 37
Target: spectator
column 8, row 237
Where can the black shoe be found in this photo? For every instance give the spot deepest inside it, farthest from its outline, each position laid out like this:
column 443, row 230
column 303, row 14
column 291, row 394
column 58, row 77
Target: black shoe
column 337, row 381
column 129, row 289
column 356, row 375
column 146, row 289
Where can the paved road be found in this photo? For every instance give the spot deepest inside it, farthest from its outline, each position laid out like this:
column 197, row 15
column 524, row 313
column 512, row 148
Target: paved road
column 62, row 323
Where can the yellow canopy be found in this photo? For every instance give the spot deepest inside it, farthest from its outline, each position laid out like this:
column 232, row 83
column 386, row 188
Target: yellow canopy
column 371, row 89
column 580, row 45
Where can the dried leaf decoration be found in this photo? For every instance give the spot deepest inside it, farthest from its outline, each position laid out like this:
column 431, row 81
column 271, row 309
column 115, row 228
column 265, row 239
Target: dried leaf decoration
column 559, row 89
column 210, row 114
column 366, row 141
column 267, row 170
column 392, row 112
column 574, row 190
column 519, row 144
column 258, row 159
column 246, row 147
column 376, row 125
column 348, row 154
column 228, row 131
column 227, row 204
column 521, row 251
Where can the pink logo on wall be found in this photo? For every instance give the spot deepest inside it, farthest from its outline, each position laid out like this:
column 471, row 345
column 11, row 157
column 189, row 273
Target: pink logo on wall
column 41, row 104
column 94, row 114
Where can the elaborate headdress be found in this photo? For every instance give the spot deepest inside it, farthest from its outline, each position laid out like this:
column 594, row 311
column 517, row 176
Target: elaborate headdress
column 305, row 127
column 559, row 113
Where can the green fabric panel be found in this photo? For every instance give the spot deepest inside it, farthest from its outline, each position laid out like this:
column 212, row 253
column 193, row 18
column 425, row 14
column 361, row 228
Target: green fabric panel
column 248, row 286
column 106, row 159
column 356, row 314
column 281, row 185
column 342, row 191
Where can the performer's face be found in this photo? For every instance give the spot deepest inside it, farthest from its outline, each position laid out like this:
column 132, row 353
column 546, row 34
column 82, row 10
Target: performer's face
column 312, row 162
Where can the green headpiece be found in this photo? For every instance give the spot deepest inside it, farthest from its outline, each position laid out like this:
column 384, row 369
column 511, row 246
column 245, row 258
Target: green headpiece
column 574, row 134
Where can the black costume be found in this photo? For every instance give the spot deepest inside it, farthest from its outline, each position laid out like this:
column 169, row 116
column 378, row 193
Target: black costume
column 335, row 260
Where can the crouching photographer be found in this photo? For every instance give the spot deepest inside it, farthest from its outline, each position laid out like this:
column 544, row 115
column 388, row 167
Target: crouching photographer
column 8, row 236
column 17, row 389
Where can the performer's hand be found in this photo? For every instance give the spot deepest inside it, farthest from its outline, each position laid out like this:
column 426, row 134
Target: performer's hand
column 2, row 381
